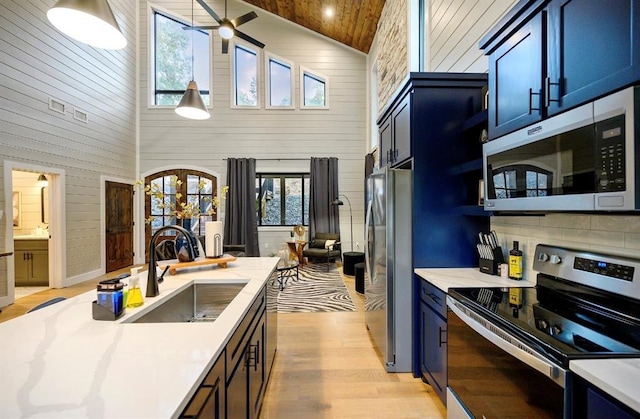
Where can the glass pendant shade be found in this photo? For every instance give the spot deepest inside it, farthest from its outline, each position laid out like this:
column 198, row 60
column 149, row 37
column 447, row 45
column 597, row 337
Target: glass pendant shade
column 88, row 21
column 226, row 30
column 42, row 181
column 191, row 105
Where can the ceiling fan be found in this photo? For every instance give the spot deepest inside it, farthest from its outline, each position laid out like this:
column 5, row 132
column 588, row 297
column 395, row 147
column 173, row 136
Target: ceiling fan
column 227, row 27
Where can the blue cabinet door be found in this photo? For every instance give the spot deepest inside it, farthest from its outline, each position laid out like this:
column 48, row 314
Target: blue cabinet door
column 433, row 350
column 385, row 142
column 515, row 80
column 593, row 49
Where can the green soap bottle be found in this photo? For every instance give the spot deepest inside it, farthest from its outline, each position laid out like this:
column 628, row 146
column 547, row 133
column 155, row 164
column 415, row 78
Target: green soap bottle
column 515, row 262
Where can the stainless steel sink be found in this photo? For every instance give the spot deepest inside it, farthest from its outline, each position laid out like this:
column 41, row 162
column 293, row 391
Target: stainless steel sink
column 196, row 303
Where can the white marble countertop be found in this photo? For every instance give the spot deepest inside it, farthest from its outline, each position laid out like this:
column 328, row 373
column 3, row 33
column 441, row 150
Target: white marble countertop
column 31, row 237
column 445, row 278
column 617, row 377
column 59, row 362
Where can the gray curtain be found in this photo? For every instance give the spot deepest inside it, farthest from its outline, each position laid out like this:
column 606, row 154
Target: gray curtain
column 323, row 217
column 241, row 224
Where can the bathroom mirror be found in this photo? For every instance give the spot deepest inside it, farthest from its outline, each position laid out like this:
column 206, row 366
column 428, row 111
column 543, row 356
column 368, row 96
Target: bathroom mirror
column 17, row 209
column 44, row 204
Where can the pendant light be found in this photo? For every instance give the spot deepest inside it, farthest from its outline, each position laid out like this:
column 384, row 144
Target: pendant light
column 42, row 181
column 88, row 21
column 191, row 105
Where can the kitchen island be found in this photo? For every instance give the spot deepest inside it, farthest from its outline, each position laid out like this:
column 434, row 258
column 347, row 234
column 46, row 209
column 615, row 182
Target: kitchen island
column 59, row 362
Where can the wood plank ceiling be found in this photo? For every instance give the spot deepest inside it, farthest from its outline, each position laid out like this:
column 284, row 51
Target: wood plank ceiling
column 354, row 22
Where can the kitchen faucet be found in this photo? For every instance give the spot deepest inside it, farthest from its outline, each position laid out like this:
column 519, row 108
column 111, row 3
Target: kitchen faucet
column 152, row 278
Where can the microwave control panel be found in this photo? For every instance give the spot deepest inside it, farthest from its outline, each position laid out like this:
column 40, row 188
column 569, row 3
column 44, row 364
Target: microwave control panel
column 610, row 152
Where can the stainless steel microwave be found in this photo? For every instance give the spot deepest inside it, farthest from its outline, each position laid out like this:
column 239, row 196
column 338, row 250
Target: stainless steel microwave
column 585, row 159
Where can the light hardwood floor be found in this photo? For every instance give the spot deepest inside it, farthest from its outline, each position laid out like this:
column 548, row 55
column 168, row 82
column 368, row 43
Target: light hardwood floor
column 325, row 366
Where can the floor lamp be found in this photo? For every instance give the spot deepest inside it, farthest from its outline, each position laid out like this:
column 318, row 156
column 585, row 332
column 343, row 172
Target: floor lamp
column 337, row 201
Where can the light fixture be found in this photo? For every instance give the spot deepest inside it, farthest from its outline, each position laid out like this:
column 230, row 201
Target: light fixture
column 226, row 29
column 191, row 105
column 337, row 201
column 42, row 181
column 88, row 21
column 328, row 12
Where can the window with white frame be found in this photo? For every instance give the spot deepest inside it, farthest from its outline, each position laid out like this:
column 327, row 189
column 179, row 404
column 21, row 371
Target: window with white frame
column 245, row 76
column 171, row 59
column 313, row 90
column 279, row 82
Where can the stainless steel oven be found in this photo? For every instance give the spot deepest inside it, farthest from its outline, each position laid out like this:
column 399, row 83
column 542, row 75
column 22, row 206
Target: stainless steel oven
column 509, row 349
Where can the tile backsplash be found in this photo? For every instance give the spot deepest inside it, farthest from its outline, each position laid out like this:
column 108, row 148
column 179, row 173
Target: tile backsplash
column 616, row 234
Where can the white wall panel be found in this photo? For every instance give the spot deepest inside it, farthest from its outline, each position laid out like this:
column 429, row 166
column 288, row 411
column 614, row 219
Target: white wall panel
column 169, row 140
column 37, row 63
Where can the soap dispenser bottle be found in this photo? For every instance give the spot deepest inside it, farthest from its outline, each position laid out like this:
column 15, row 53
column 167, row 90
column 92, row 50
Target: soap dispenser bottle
column 515, row 262
column 134, row 296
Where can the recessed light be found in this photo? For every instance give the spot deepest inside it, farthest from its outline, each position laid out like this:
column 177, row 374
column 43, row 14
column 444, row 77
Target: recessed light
column 328, row 11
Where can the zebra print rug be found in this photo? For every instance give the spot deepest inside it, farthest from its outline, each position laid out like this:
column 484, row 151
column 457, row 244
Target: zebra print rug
column 316, row 290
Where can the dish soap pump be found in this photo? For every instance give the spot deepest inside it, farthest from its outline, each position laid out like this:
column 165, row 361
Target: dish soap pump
column 515, row 262
column 134, row 296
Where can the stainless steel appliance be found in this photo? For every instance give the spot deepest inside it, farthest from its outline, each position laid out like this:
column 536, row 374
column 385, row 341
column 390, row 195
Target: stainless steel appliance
column 388, row 287
column 509, row 348
column 585, row 159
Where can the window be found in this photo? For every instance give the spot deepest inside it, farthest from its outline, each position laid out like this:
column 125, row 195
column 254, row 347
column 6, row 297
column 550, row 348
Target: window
column 172, row 60
column 245, row 76
column 522, row 180
column 176, row 190
column 313, row 90
column 279, row 83
column 283, row 199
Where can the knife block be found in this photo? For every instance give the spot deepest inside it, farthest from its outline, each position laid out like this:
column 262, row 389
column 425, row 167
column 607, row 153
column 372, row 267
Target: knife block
column 490, row 266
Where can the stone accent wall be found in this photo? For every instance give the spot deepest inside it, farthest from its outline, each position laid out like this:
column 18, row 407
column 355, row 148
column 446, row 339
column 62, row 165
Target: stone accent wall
column 392, row 49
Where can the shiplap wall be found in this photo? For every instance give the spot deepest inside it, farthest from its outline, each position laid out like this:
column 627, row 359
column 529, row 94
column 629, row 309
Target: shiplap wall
column 37, row 63
column 167, row 140
column 455, row 28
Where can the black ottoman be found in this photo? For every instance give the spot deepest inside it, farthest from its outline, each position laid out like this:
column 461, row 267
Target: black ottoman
column 359, row 268
column 349, row 259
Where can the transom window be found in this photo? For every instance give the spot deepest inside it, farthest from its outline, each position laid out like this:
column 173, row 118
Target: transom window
column 283, row 199
column 313, row 90
column 171, row 51
column 279, row 82
column 245, row 76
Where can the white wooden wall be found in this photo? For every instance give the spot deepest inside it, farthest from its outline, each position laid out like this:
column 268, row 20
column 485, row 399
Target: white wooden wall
column 37, row 63
column 167, row 140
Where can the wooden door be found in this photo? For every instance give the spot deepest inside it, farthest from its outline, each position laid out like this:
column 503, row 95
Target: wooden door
column 119, row 225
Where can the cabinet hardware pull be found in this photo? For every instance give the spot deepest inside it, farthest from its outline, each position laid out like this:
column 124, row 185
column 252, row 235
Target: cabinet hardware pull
column 440, row 332
column 252, row 357
column 547, row 86
column 531, row 95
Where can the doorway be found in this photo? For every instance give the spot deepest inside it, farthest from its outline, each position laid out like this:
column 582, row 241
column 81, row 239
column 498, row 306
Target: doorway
column 118, row 225
column 33, row 229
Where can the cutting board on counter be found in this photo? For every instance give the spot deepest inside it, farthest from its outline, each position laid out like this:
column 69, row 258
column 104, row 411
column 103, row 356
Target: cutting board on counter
column 221, row 262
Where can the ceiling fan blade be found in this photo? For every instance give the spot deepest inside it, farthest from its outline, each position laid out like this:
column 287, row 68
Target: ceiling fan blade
column 188, row 28
column 244, row 19
column 249, row 39
column 225, row 46
column 209, row 10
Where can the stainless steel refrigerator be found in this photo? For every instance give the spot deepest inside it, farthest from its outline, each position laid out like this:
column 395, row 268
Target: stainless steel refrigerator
column 388, row 285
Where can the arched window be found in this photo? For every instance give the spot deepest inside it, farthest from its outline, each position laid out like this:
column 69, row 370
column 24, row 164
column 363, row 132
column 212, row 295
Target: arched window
column 523, row 180
column 178, row 195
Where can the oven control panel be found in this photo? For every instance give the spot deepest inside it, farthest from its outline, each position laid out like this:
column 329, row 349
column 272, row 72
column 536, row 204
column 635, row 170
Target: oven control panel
column 613, row 270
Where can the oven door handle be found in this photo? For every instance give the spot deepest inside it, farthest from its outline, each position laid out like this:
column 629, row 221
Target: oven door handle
column 538, row 363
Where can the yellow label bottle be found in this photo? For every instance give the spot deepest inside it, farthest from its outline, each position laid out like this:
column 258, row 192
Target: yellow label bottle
column 515, row 262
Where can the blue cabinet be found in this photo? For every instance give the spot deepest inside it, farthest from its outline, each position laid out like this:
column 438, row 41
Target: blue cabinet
column 547, row 56
column 433, row 338
column 395, row 134
column 515, row 81
column 592, row 50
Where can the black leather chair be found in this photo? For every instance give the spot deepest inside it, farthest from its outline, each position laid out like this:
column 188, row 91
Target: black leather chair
column 319, row 249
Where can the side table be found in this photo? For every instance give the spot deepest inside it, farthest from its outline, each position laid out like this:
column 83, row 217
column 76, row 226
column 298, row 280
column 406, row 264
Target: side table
column 359, row 269
column 296, row 248
column 349, row 259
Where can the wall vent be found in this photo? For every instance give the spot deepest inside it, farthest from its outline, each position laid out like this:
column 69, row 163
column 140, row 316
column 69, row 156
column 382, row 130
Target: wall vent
column 56, row 105
column 80, row 115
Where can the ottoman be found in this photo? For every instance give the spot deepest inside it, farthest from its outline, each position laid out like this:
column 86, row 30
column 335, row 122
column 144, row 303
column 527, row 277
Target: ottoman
column 349, row 259
column 359, row 268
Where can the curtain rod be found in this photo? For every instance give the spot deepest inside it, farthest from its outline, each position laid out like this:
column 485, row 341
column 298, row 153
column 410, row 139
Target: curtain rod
column 283, row 159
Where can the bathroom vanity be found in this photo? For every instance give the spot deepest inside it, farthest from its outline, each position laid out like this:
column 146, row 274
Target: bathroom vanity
column 31, row 260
